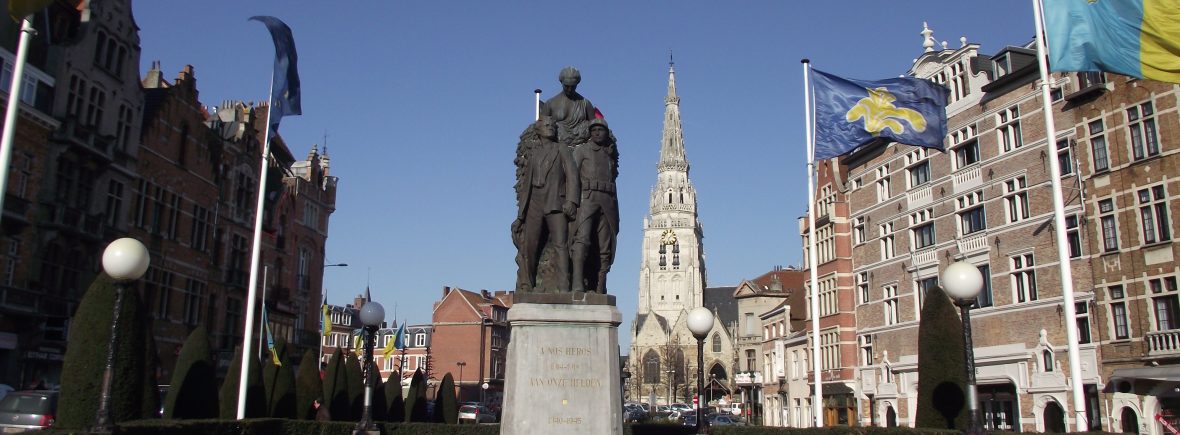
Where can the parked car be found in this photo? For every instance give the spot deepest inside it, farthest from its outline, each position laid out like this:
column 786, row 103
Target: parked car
column 725, row 420
column 476, row 414
column 27, row 410
column 681, row 407
column 634, row 415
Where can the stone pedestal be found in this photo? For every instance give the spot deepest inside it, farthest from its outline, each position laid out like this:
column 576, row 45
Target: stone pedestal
column 563, row 370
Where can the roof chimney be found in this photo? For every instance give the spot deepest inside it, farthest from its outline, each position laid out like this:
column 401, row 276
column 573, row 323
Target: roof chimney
column 485, row 294
column 446, row 290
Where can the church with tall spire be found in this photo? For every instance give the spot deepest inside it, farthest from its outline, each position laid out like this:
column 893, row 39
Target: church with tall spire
column 671, row 277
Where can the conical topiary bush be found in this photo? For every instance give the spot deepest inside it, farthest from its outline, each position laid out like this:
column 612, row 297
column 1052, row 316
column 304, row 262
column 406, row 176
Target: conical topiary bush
column 395, row 406
column 336, row 389
column 377, row 409
column 446, row 406
column 941, row 378
column 356, row 385
column 255, row 392
column 192, row 394
column 151, row 402
column 86, row 354
column 280, row 384
column 416, row 399
column 308, row 387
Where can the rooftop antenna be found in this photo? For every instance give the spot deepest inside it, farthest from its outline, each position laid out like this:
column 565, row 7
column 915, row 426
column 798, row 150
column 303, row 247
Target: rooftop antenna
column 325, row 141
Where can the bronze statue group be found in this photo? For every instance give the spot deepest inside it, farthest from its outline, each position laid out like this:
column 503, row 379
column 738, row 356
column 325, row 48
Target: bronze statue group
column 567, row 216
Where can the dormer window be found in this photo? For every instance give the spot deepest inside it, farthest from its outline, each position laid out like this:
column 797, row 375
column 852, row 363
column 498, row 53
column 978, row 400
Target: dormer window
column 1003, row 65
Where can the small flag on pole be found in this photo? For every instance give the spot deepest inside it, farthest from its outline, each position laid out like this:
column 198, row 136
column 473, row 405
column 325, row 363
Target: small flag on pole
column 396, row 343
column 326, row 320
column 356, row 341
column 285, row 93
column 270, row 340
column 850, row 113
column 1137, row 38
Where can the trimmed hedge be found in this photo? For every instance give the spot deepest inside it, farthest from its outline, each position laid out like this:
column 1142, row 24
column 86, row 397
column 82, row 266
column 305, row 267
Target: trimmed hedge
column 336, row 389
column 308, row 387
column 446, row 407
column 395, row 405
column 280, row 383
column 355, row 382
column 193, row 391
column 255, row 393
column 942, row 382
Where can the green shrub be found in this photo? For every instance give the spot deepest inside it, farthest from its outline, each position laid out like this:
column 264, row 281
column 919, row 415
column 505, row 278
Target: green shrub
column 355, row 381
column 941, row 378
column 446, row 407
column 336, row 389
column 308, row 386
column 86, row 355
column 280, row 383
column 193, row 390
column 377, row 409
column 416, row 399
column 255, row 393
column 395, row 406
column 150, row 404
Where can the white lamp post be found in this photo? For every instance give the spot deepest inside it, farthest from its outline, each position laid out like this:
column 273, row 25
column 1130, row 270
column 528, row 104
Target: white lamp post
column 124, row 260
column 963, row 282
column 700, row 322
column 372, row 314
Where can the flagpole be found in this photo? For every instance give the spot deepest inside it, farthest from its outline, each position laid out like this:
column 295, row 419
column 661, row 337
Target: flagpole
column 262, row 324
column 812, row 258
column 18, row 76
column 537, row 105
column 1063, row 263
column 254, row 257
column 323, row 301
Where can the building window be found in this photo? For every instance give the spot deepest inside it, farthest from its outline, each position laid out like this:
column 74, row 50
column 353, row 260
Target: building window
column 862, row 287
column 887, row 245
column 1047, row 360
column 1165, row 303
column 1110, row 232
column 1098, row 145
column 892, row 307
column 1082, row 313
column 1024, row 278
column 858, row 183
column 971, row 214
column 199, row 237
column 922, row 233
column 123, row 128
column 883, row 192
column 1072, row 236
column 966, row 147
column 1153, row 214
column 1064, row 158
column 716, row 342
column 114, row 202
column 233, row 321
column 1118, row 312
column 1016, row 199
column 858, row 229
column 420, row 339
column 866, row 350
column 1141, row 123
column 311, row 215
column 750, row 361
column 918, row 167
column 194, row 291
column 923, row 286
column 1008, row 129
column 985, row 294
column 829, row 343
column 11, row 260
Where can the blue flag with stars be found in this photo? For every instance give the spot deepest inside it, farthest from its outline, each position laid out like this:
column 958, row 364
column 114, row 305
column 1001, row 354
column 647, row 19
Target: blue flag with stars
column 850, row 113
column 284, row 98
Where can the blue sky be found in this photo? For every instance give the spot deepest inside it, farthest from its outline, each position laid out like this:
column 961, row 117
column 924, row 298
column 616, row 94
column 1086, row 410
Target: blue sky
column 422, row 102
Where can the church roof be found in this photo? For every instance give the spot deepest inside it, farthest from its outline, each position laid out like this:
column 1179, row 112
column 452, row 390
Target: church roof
column 721, row 301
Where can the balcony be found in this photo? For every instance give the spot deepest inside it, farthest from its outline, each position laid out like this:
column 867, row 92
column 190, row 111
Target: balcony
column 19, row 299
column 967, row 178
column 919, row 197
column 923, row 257
column 972, row 243
column 1163, row 343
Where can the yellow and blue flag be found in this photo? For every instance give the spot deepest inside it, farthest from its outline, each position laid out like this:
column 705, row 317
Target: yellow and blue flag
column 396, row 343
column 326, row 320
column 1137, row 38
column 270, row 340
column 850, row 113
column 285, row 92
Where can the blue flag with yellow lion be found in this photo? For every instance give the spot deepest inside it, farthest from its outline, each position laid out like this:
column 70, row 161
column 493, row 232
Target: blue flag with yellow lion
column 850, row 113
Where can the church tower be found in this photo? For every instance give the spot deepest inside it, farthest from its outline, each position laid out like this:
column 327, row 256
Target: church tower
column 672, row 276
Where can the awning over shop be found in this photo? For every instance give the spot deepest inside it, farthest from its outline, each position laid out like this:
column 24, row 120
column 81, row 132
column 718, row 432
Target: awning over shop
column 1166, row 374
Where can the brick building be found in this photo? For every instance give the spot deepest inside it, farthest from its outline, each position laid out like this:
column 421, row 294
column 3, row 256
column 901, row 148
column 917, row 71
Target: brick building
column 987, row 201
column 471, row 328
column 835, row 234
column 755, row 297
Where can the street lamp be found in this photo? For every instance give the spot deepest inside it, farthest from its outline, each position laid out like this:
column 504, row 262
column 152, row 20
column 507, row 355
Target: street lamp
column 125, row 260
column 963, row 282
column 372, row 314
column 461, row 364
column 336, row 265
column 700, row 322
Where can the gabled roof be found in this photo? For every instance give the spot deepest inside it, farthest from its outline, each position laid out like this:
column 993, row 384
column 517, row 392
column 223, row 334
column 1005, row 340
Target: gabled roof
column 720, row 300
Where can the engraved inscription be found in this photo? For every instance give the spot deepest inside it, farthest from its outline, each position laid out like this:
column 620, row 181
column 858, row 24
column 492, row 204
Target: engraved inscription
column 566, row 351
column 565, row 420
column 565, row 382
